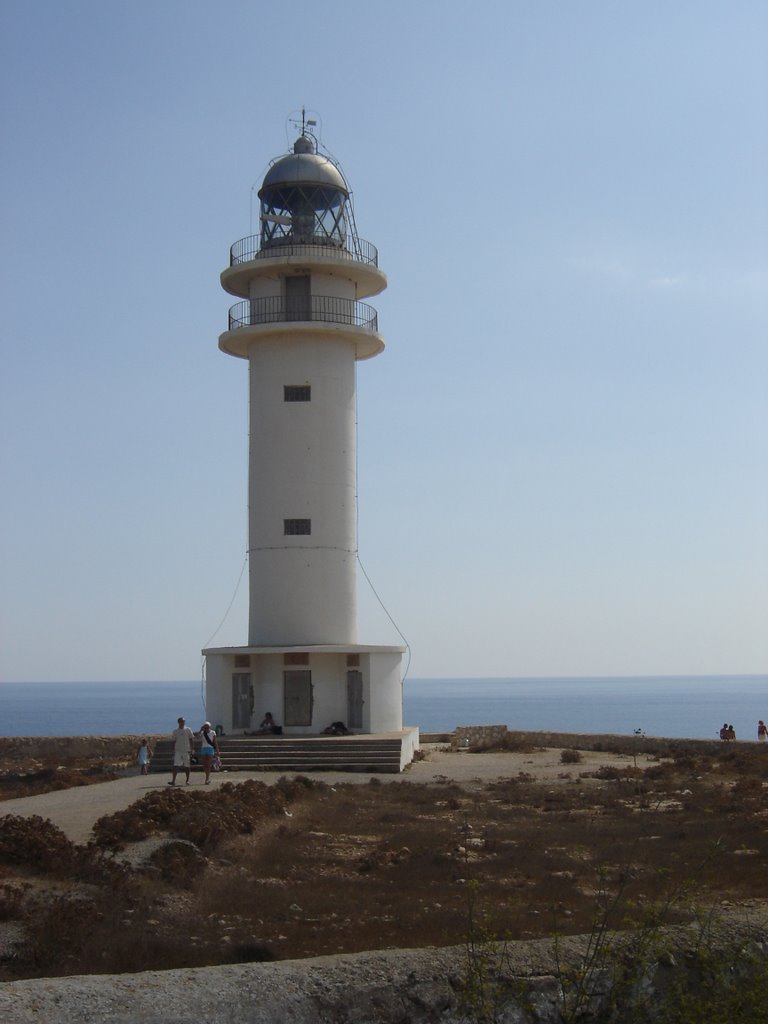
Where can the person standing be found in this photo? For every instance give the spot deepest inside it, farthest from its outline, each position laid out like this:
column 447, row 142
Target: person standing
column 209, row 748
column 762, row 731
column 143, row 755
column 183, row 743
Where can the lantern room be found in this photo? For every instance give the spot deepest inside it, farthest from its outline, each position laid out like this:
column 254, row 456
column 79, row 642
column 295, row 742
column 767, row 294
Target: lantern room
column 303, row 200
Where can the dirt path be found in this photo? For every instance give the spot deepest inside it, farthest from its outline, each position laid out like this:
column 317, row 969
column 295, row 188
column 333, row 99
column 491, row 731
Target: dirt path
column 76, row 810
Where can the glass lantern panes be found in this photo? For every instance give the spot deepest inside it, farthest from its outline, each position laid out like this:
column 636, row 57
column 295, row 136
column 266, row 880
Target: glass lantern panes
column 304, row 214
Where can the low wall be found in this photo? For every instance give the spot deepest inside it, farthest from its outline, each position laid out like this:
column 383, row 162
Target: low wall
column 409, row 745
column 467, row 736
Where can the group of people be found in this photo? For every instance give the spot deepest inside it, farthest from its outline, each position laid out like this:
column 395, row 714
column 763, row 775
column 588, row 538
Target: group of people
column 728, row 733
column 184, row 751
column 184, row 748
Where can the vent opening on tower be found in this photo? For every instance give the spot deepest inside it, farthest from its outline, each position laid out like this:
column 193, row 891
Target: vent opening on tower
column 297, row 527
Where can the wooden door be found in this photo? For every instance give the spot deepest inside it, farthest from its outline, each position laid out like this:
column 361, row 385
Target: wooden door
column 241, row 700
column 354, row 699
column 297, row 298
column 297, row 697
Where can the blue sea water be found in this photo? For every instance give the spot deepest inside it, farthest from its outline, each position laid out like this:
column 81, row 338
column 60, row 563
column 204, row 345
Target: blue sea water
column 98, row 709
column 677, row 706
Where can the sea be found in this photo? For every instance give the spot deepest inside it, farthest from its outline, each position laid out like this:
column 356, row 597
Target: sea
column 674, row 706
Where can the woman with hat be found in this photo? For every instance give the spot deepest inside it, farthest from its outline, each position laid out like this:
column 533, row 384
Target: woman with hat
column 209, row 748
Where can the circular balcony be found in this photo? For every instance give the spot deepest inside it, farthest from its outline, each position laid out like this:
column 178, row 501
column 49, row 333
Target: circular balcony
column 277, row 316
column 356, row 260
column 356, row 249
column 277, row 309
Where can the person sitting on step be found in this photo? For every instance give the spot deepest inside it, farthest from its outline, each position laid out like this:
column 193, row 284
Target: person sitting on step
column 268, row 727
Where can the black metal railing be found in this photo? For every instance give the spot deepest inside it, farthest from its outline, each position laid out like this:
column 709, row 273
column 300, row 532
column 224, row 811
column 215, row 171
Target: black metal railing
column 356, row 249
column 277, row 309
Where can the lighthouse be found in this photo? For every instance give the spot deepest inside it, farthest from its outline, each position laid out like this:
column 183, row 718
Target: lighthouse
column 302, row 324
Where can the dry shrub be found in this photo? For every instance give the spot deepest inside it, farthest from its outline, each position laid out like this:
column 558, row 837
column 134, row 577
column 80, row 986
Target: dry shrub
column 11, row 901
column 747, row 787
column 296, row 787
column 740, row 760
column 252, row 953
column 37, row 844
column 571, row 756
column 663, row 772
column 609, row 771
column 146, row 817
column 206, row 826
column 102, row 935
column 178, row 862
column 204, row 818
column 510, row 791
column 14, row 785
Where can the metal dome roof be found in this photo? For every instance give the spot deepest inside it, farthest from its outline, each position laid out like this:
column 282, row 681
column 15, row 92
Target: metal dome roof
column 304, row 167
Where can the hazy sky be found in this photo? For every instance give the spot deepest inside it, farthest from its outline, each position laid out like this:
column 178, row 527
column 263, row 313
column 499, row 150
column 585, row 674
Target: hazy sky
column 563, row 451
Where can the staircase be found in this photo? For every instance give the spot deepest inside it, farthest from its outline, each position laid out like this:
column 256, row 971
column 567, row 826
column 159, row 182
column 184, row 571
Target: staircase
column 296, row 755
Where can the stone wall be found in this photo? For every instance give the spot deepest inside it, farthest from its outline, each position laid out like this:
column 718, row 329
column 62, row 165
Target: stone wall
column 467, row 736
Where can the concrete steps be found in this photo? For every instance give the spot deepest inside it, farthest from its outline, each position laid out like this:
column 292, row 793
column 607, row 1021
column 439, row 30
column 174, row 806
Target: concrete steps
column 290, row 754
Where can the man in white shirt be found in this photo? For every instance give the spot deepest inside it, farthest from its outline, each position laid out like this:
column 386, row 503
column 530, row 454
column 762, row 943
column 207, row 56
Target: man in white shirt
column 183, row 742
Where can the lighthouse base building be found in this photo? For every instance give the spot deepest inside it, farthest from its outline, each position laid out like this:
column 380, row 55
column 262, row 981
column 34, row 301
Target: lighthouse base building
column 302, row 328
column 307, row 690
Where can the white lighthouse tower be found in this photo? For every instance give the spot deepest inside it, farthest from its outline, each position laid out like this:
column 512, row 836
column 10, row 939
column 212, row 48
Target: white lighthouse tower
column 301, row 325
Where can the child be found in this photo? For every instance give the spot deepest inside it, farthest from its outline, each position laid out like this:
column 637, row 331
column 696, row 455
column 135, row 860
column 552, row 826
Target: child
column 143, row 754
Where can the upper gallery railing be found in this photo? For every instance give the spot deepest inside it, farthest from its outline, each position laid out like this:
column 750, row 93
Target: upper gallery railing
column 353, row 249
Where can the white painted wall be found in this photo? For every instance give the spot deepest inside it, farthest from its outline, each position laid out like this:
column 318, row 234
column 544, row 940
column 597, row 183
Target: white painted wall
column 333, row 284
column 385, row 700
column 267, row 682
column 266, row 285
column 218, row 690
column 382, row 689
column 302, row 465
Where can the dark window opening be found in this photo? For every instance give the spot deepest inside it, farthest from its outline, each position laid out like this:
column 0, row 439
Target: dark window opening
column 297, row 393
column 296, row 527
